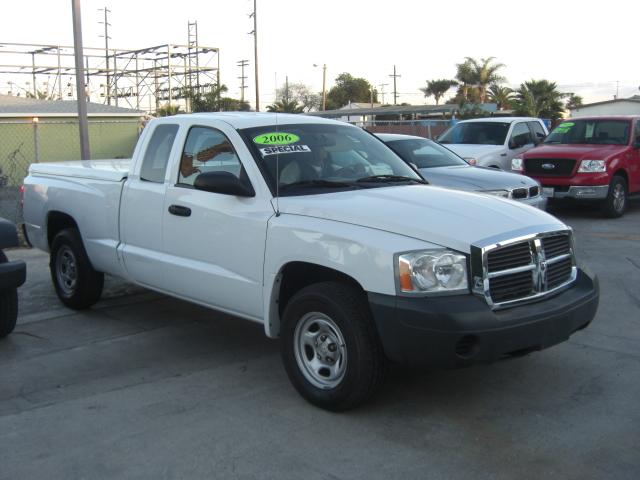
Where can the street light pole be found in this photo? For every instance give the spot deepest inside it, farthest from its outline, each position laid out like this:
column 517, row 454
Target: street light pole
column 81, row 94
column 324, row 85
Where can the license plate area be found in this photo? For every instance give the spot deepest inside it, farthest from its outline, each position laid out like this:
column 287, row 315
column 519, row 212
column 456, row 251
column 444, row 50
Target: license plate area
column 547, row 192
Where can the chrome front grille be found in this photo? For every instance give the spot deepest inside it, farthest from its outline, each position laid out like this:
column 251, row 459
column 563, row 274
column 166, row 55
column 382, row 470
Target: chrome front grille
column 523, row 269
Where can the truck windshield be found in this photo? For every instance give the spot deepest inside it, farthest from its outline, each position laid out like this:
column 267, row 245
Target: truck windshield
column 591, row 132
column 424, row 153
column 310, row 158
column 476, row 133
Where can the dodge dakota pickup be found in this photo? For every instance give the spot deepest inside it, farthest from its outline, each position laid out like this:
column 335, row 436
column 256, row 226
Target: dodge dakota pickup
column 595, row 159
column 351, row 266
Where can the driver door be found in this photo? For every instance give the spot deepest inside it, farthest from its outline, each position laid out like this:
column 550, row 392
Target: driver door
column 520, row 140
column 214, row 243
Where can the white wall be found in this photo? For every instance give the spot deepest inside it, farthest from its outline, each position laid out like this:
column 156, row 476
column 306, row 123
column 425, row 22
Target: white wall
column 623, row 107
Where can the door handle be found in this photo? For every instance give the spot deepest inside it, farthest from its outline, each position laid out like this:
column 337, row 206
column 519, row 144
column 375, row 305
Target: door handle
column 180, row 211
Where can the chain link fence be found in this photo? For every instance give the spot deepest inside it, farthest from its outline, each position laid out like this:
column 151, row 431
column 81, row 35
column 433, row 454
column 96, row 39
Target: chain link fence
column 420, row 128
column 25, row 142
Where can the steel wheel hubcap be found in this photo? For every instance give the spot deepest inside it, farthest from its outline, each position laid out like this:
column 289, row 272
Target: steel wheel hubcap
column 618, row 197
column 66, row 270
column 320, row 350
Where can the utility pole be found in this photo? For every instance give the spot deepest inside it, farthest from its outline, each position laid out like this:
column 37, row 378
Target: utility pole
column 286, row 88
column 82, row 101
column 255, row 50
column 106, row 49
column 242, row 77
column 395, row 91
column 382, row 85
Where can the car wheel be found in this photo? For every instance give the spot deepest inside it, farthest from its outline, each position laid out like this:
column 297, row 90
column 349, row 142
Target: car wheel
column 77, row 284
column 8, row 306
column 616, row 202
column 330, row 347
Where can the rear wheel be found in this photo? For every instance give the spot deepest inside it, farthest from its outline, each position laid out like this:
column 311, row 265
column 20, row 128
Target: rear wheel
column 8, row 306
column 616, row 202
column 330, row 347
column 77, row 284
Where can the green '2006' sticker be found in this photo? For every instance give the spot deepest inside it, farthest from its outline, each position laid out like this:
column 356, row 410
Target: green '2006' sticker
column 276, row 138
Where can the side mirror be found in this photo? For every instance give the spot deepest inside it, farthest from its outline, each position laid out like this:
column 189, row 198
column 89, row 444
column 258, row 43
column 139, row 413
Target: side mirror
column 223, row 182
column 540, row 137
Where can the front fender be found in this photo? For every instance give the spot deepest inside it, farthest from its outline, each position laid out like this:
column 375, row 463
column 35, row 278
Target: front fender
column 364, row 254
column 8, row 234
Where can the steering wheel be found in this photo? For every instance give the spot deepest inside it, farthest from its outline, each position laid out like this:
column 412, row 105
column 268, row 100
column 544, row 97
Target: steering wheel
column 350, row 171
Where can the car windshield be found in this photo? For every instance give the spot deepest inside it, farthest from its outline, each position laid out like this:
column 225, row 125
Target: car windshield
column 476, row 133
column 424, row 153
column 591, row 132
column 313, row 158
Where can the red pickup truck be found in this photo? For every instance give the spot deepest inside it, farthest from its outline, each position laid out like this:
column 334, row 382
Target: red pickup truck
column 588, row 158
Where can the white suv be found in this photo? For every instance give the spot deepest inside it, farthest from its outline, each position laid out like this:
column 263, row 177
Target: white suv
column 493, row 142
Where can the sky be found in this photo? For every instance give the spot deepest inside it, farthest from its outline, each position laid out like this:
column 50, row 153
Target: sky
column 585, row 47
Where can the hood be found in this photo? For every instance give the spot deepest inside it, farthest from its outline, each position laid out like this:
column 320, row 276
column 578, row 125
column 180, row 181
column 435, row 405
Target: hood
column 466, row 177
column 579, row 152
column 449, row 218
column 474, row 151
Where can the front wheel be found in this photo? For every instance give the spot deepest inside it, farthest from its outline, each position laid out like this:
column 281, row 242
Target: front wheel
column 77, row 284
column 330, row 347
column 8, row 306
column 616, row 202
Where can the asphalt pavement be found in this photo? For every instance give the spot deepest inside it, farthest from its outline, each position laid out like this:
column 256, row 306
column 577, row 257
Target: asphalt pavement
column 146, row 386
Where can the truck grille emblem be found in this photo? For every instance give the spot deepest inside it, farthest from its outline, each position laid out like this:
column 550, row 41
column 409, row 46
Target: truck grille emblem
column 548, row 166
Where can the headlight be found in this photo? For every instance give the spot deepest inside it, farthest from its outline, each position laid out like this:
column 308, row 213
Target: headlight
column 517, row 164
column 432, row 271
column 592, row 166
column 498, row 193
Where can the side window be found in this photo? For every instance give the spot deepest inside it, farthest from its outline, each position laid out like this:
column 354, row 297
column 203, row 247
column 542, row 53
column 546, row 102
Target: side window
column 636, row 133
column 156, row 156
column 207, row 150
column 538, row 131
column 521, row 135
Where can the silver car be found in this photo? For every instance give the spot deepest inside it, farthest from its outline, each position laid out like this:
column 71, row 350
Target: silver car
column 441, row 167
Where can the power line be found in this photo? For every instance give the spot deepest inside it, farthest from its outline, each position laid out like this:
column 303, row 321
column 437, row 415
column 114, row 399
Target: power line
column 395, row 92
column 242, row 77
column 382, row 85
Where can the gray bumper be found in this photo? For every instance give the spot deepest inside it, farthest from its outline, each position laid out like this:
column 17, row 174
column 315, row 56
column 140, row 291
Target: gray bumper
column 538, row 202
column 583, row 192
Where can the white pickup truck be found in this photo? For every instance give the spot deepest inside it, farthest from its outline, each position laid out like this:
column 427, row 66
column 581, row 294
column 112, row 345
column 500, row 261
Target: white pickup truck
column 351, row 263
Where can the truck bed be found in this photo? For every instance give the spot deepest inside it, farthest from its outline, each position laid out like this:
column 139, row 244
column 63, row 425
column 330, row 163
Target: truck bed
column 111, row 170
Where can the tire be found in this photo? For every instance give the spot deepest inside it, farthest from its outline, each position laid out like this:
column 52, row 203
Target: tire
column 616, row 202
column 316, row 322
column 77, row 284
column 8, row 306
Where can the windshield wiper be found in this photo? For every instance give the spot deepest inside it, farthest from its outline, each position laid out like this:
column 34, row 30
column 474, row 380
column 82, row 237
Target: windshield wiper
column 390, row 179
column 316, row 184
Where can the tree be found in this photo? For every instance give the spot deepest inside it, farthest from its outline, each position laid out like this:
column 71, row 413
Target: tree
column 482, row 74
column 168, row 110
column 539, row 98
column 284, row 106
column 437, row 88
column 213, row 101
column 302, row 94
column 502, row 96
column 350, row 89
column 464, row 75
column 573, row 101
column 41, row 95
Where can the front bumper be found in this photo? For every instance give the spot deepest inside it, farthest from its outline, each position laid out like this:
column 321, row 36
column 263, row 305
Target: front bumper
column 538, row 202
column 456, row 331
column 597, row 192
column 12, row 274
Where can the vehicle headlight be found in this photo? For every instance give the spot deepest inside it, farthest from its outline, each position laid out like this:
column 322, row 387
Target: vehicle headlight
column 432, row 271
column 498, row 193
column 517, row 164
column 592, row 166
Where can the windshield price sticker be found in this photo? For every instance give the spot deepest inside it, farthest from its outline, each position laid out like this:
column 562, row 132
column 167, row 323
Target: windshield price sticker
column 284, row 149
column 276, row 138
column 564, row 127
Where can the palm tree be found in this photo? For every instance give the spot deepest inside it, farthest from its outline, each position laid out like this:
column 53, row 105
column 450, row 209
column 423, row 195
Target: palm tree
column 573, row 102
column 437, row 88
column 483, row 73
column 284, row 106
column 466, row 77
column 168, row 110
column 502, row 96
column 540, row 98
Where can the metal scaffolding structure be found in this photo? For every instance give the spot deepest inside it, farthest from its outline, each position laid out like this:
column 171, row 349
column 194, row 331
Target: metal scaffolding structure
column 144, row 79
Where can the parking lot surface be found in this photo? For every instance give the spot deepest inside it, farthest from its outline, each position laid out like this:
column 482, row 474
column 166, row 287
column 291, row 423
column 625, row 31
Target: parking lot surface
column 145, row 386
